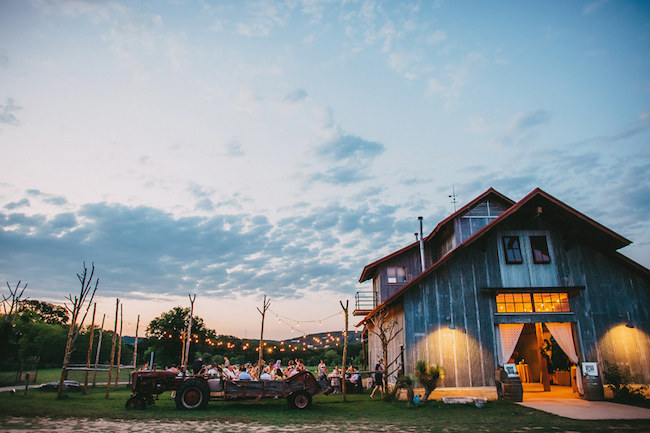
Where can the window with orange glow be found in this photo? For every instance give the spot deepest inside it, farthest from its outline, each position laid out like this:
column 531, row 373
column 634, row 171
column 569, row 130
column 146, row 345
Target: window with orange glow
column 551, row 302
column 537, row 303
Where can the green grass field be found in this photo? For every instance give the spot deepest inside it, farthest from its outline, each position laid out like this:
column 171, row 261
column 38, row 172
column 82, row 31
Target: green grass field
column 330, row 412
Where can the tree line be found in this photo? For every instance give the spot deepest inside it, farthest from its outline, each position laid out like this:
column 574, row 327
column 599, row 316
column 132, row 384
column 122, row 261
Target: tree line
column 38, row 331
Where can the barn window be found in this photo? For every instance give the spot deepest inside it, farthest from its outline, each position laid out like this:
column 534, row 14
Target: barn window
column 514, row 303
column 396, row 275
column 540, row 249
column 512, row 250
column 533, row 303
column 551, row 302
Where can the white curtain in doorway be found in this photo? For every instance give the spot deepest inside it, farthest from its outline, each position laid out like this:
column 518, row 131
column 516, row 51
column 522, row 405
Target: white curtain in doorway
column 564, row 337
column 509, row 333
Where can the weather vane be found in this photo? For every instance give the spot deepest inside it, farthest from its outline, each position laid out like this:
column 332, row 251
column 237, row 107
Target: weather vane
column 453, row 197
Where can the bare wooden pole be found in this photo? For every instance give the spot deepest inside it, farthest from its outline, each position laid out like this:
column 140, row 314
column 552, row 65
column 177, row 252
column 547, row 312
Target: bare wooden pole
column 345, row 348
column 112, row 360
column 183, row 348
column 265, row 307
column 90, row 349
column 119, row 348
column 135, row 348
column 99, row 346
column 188, row 337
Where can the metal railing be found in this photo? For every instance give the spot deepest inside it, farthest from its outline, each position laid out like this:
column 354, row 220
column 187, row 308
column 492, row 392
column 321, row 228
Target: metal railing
column 365, row 301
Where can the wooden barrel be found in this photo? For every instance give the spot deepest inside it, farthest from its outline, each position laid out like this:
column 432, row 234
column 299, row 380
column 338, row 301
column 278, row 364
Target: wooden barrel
column 508, row 388
column 593, row 388
column 512, row 389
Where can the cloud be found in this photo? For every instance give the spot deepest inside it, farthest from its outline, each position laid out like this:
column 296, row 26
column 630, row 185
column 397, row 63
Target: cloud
column 524, row 128
column 525, row 121
column 346, row 159
column 265, row 16
column 296, row 96
column 348, row 147
column 234, row 148
column 437, row 37
column 452, row 83
column 17, row 205
column 592, row 7
column 148, row 251
column 7, row 112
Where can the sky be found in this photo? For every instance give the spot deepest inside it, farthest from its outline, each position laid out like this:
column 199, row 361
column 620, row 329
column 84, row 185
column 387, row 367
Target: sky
column 237, row 149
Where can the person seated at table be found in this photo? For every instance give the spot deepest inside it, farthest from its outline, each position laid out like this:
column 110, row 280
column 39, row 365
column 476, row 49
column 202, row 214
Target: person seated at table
column 228, row 372
column 211, row 370
column 266, row 375
column 355, row 379
column 244, row 374
column 322, row 371
column 278, row 374
column 335, row 380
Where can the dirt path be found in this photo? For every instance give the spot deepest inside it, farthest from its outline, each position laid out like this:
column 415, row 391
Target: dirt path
column 19, row 424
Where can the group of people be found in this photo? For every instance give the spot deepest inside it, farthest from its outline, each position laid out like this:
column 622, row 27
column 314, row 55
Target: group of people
column 254, row 371
column 246, row 371
column 352, row 377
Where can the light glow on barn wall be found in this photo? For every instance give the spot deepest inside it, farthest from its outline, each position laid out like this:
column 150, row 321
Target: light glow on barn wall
column 628, row 346
column 461, row 356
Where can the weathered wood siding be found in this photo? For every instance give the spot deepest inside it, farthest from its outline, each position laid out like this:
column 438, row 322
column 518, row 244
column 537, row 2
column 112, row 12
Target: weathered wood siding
column 611, row 291
column 412, row 264
column 466, row 353
column 375, row 350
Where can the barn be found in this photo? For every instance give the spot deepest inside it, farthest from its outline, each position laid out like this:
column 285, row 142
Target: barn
column 498, row 281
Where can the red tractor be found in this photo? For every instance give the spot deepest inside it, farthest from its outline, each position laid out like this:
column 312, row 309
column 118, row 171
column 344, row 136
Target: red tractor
column 194, row 392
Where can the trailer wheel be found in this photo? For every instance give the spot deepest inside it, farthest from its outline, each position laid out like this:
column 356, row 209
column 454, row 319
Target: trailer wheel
column 300, row 400
column 192, row 394
column 136, row 402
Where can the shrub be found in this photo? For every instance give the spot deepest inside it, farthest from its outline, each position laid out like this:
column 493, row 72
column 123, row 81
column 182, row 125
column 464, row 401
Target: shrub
column 428, row 376
column 620, row 380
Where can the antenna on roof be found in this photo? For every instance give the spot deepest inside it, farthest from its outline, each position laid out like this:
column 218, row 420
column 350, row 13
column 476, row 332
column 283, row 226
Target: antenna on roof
column 453, row 197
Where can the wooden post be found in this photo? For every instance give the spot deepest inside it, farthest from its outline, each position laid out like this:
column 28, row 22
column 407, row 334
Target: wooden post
column 345, row 349
column 90, row 349
column 183, row 348
column 135, row 348
column 188, row 337
column 119, row 348
column 99, row 346
column 265, row 307
column 542, row 360
column 112, row 361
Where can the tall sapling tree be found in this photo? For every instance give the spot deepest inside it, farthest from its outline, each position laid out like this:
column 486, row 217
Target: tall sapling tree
column 75, row 308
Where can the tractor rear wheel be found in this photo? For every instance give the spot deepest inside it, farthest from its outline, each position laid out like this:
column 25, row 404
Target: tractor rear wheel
column 192, row 394
column 300, row 400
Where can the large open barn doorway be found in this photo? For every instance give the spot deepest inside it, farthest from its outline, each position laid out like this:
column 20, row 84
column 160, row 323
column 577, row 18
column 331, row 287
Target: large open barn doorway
column 545, row 369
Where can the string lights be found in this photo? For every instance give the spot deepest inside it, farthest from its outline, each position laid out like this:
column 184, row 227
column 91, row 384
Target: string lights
column 295, row 323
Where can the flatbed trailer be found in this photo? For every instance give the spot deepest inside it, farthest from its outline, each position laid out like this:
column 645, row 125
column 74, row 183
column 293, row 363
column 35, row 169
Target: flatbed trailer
column 194, row 392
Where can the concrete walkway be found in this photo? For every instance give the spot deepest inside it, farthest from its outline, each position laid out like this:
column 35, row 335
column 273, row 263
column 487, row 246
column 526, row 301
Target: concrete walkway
column 563, row 402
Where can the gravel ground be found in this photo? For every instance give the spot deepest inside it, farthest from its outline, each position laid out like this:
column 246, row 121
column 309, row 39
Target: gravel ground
column 19, row 424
